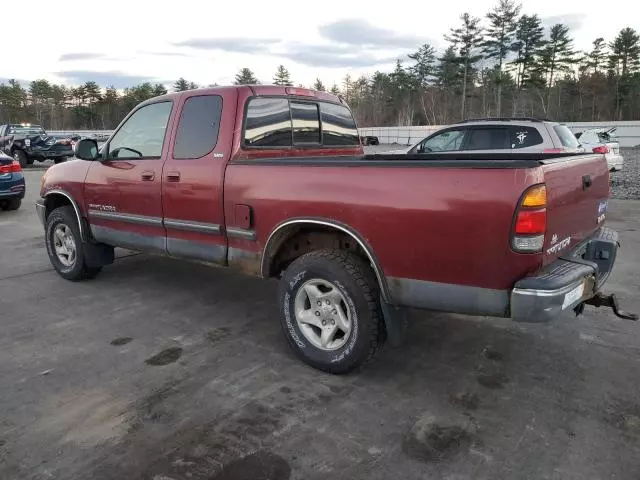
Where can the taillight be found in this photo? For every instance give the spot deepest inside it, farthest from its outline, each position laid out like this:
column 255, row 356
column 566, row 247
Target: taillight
column 601, row 149
column 13, row 167
column 300, row 91
column 530, row 223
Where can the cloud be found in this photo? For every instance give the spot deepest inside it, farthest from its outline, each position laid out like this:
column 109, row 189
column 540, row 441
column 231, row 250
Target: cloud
column 332, row 56
column 572, row 20
column 104, row 79
column 167, row 54
column 361, row 33
column 236, row 45
column 66, row 57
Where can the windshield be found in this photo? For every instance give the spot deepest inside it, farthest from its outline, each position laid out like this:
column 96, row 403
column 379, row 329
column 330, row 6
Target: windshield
column 20, row 130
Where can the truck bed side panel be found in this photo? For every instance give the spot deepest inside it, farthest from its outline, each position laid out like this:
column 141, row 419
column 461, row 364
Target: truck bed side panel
column 429, row 227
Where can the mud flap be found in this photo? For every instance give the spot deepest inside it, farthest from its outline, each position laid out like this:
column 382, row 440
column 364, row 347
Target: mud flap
column 98, row 254
column 602, row 300
column 396, row 323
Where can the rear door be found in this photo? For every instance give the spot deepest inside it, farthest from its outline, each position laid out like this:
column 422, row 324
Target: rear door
column 577, row 194
column 193, row 175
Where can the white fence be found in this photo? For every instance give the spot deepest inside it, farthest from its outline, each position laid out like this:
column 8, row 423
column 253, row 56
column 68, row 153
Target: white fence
column 627, row 133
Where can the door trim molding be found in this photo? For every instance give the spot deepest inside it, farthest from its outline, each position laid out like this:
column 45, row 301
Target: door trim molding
column 127, row 218
column 192, row 226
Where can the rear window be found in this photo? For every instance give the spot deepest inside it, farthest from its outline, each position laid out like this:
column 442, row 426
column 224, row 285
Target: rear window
column 279, row 122
column 524, row 137
column 198, row 127
column 268, row 123
column 306, row 123
column 566, row 136
column 338, row 126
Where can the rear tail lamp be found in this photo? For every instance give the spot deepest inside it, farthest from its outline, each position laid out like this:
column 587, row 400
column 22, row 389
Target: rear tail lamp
column 13, row 167
column 530, row 222
column 603, row 149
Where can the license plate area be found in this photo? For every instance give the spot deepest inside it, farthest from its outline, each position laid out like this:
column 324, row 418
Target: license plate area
column 573, row 296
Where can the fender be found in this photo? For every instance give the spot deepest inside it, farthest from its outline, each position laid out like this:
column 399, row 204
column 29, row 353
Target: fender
column 76, row 208
column 264, row 267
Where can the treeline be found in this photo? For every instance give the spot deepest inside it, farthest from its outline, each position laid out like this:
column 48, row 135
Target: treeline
column 505, row 64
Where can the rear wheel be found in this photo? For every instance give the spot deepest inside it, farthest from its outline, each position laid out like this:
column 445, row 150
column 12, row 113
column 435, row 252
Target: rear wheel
column 12, row 204
column 64, row 246
column 330, row 311
column 21, row 158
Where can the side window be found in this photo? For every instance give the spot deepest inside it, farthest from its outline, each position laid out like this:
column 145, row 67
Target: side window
column 2, row 129
column 306, row 123
column 524, row 137
column 448, row 141
column 142, row 135
column 338, row 126
column 488, row 139
column 198, row 127
column 268, row 123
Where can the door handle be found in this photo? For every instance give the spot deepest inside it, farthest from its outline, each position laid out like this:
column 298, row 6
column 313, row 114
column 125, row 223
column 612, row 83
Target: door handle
column 173, row 176
column 148, row 176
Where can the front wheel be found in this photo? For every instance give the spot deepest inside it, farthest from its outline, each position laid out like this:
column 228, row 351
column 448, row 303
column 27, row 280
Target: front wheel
column 330, row 311
column 64, row 245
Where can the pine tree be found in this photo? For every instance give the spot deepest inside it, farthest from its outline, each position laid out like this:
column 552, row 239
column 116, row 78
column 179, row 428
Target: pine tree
column 625, row 52
column 467, row 38
column 500, row 37
column 557, row 55
column 282, row 77
column 424, row 68
column 318, row 85
column 181, row 85
column 596, row 58
column 159, row 89
column 335, row 90
column 245, row 77
column 529, row 38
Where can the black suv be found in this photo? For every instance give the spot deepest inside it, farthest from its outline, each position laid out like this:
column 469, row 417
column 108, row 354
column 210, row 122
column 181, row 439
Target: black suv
column 26, row 143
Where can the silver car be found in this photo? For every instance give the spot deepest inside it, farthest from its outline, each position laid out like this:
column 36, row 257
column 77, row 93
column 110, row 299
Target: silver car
column 602, row 140
column 526, row 135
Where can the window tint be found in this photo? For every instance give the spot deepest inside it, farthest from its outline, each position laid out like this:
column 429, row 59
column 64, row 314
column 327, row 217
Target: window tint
column 142, row 135
column 523, row 137
column 496, row 138
column 306, row 123
column 338, row 126
column 198, row 127
column 567, row 138
column 448, row 141
column 268, row 123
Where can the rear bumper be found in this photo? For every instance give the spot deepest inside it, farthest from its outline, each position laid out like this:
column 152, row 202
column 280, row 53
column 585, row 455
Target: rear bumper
column 13, row 188
column 567, row 282
column 615, row 162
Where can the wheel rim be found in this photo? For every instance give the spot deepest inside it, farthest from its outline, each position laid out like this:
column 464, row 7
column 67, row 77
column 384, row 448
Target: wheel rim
column 322, row 315
column 64, row 245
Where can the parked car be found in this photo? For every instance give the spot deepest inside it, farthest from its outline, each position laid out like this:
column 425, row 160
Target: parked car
column 602, row 140
column 26, row 143
column 12, row 185
column 524, row 135
column 272, row 181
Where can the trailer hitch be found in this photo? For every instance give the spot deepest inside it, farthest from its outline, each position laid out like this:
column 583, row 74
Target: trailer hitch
column 602, row 300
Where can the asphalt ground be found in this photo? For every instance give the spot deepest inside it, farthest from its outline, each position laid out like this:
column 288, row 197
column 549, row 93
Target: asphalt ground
column 161, row 369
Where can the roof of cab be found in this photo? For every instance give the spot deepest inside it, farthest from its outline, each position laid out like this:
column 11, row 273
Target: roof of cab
column 256, row 90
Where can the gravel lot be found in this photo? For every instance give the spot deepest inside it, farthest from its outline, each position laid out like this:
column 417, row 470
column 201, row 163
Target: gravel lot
column 166, row 370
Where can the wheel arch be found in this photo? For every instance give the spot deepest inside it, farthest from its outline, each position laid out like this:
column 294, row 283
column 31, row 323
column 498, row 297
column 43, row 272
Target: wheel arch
column 288, row 229
column 57, row 198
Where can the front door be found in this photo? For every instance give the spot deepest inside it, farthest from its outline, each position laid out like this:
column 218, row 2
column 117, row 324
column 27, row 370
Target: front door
column 123, row 191
column 193, row 176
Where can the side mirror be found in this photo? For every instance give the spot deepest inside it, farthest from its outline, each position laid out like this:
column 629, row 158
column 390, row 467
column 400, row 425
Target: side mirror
column 86, row 149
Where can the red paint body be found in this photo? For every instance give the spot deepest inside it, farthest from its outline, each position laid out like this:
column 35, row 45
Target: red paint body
column 440, row 224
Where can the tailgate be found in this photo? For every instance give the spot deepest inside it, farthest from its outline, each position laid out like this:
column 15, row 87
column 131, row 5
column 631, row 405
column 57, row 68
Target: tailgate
column 577, row 193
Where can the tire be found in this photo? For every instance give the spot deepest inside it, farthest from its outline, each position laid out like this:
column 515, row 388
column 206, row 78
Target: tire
column 352, row 279
column 59, row 160
column 65, row 219
column 12, row 204
column 21, row 157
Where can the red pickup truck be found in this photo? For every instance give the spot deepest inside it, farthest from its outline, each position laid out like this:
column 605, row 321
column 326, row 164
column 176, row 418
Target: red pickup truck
column 273, row 181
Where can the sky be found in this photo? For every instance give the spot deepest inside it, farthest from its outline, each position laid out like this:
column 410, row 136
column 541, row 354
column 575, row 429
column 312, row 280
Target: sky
column 122, row 43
